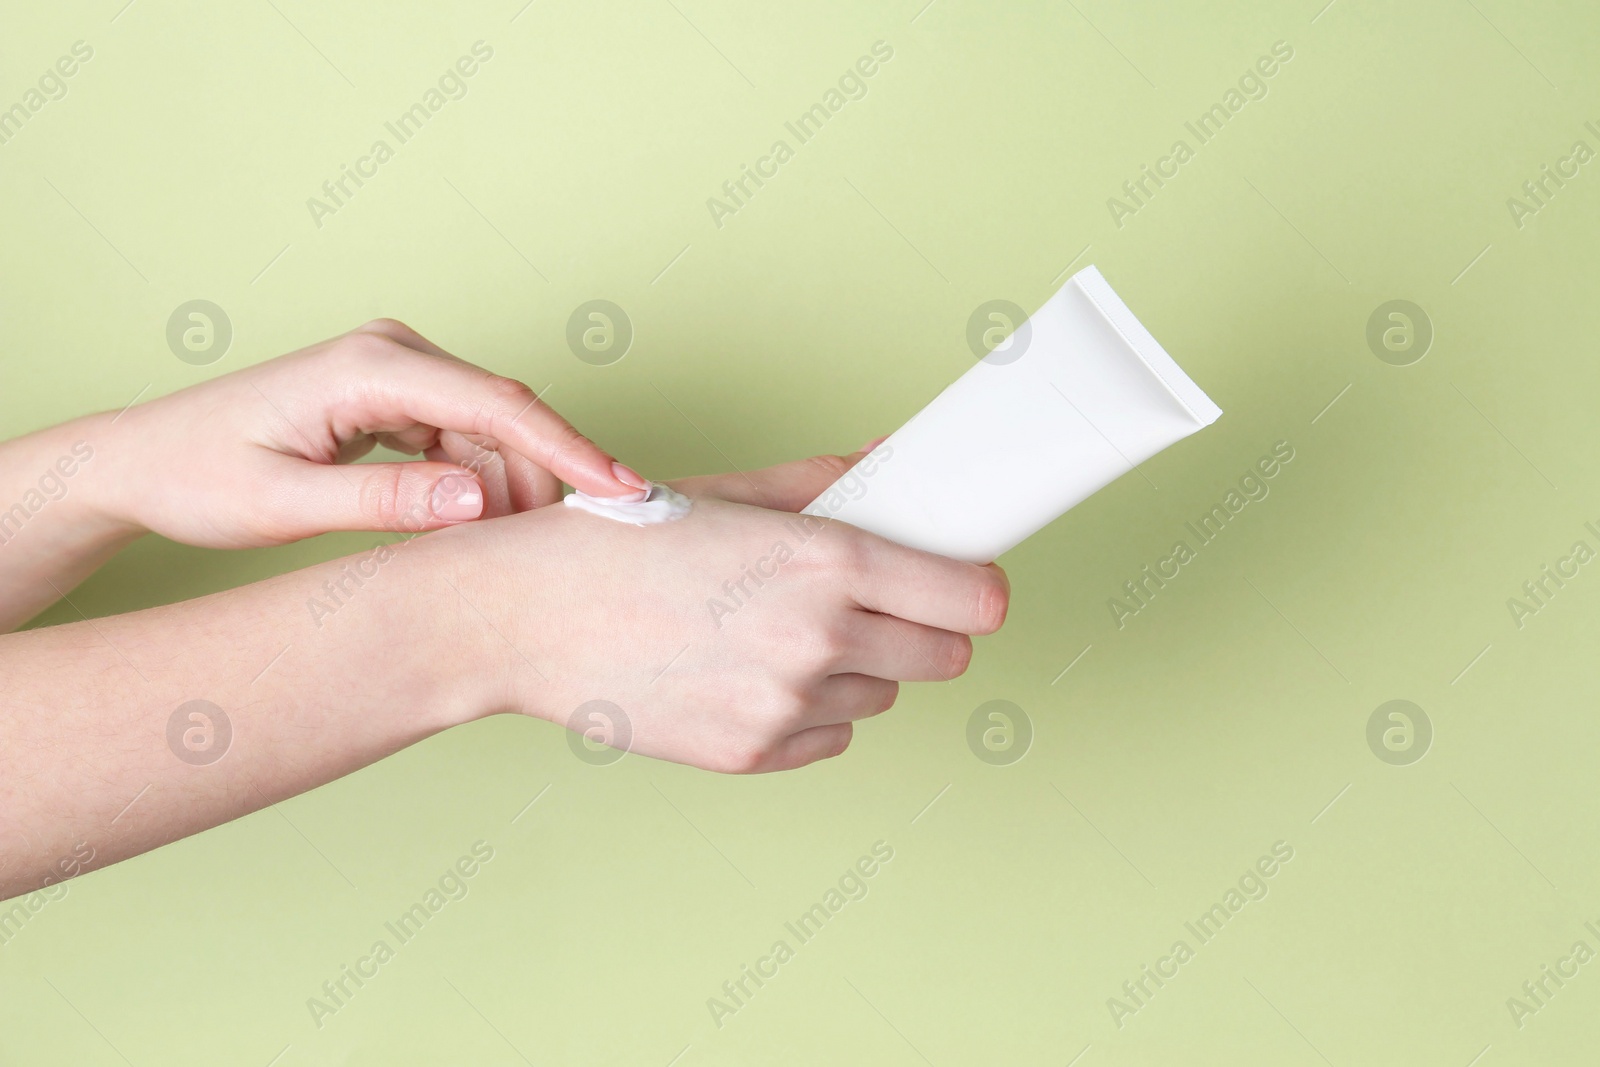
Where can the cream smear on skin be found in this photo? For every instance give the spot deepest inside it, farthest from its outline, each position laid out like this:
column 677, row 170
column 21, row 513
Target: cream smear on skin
column 660, row 504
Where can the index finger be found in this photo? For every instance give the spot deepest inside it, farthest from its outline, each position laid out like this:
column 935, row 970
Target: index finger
column 947, row 594
column 436, row 388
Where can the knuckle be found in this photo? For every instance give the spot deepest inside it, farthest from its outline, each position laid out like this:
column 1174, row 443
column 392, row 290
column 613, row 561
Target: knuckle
column 568, row 440
column 509, row 391
column 956, row 656
column 831, row 646
column 886, row 699
column 814, row 558
column 361, row 351
column 393, row 329
column 507, row 400
column 746, row 759
column 839, row 741
column 783, row 710
column 828, row 466
column 382, row 497
column 993, row 601
column 844, row 550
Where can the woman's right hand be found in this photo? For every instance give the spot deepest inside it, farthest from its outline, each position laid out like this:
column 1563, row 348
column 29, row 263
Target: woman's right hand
column 740, row 638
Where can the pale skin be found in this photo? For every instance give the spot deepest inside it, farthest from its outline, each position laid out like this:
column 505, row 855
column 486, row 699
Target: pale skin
column 510, row 605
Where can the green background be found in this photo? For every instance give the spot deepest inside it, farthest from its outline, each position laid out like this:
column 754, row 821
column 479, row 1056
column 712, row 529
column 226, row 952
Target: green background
column 1228, row 715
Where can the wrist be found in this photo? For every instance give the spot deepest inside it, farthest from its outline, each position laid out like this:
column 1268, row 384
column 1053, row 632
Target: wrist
column 416, row 624
column 108, row 475
column 60, row 475
column 499, row 664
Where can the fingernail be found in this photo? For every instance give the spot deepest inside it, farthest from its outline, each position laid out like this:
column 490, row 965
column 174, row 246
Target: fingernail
column 627, row 476
column 874, row 443
column 456, row 498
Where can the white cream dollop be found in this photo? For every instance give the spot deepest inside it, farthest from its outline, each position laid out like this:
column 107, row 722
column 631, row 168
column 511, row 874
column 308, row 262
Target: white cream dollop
column 660, row 504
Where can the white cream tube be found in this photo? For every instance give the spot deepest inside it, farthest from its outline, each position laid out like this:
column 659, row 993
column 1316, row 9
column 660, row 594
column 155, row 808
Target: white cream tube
column 1076, row 397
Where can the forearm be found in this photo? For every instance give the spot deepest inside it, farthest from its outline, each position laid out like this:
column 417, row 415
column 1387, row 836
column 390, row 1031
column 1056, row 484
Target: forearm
column 312, row 687
column 53, row 533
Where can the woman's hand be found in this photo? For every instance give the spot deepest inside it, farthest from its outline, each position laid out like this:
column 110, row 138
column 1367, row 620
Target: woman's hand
column 740, row 638
column 260, row 456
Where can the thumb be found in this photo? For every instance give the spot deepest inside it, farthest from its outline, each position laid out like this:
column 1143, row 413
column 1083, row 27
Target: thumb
column 786, row 487
column 401, row 497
